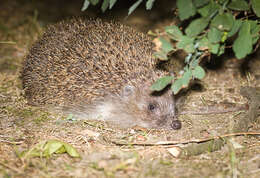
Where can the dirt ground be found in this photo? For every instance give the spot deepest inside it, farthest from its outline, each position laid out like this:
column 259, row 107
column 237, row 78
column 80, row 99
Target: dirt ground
column 108, row 151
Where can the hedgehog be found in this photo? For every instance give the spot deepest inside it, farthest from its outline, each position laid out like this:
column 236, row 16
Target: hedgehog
column 98, row 70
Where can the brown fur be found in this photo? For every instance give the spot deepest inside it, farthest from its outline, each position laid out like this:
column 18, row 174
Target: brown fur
column 88, row 65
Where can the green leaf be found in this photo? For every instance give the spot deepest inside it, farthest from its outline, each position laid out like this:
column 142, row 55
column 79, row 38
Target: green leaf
column 204, row 44
column 59, row 147
column 174, row 32
column 186, row 9
column 198, row 72
column 71, row 151
column 214, row 35
column 193, row 64
column 53, row 146
column 166, row 45
column 223, row 22
column 239, row 5
column 161, row 83
column 221, row 50
column 35, row 151
column 176, row 86
column 149, row 4
column 186, row 43
column 47, row 148
column 199, row 3
column 222, row 2
column 256, row 7
column 85, row 5
column 112, row 3
column 105, row 5
column 94, row 2
column 236, row 25
column 214, row 48
column 224, row 37
column 187, row 76
column 255, row 28
column 243, row 45
column 255, row 38
column 134, row 6
column 162, row 55
column 209, row 10
column 196, row 27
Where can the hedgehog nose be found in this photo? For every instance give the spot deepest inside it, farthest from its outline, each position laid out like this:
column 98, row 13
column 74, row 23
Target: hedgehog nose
column 176, row 124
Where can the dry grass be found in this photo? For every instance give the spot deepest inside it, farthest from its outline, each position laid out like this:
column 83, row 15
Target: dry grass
column 23, row 126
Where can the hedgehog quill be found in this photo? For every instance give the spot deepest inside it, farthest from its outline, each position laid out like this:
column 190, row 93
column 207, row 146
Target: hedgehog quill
column 98, row 70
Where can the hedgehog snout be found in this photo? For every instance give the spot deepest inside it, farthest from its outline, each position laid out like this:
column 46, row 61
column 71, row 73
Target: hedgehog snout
column 174, row 123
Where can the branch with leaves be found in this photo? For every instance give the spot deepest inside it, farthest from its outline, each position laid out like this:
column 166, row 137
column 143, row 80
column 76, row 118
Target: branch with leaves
column 213, row 25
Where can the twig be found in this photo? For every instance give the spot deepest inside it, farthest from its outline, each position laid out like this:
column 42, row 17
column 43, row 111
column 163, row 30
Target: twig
column 3, row 96
column 13, row 143
column 209, row 112
column 216, row 111
column 188, row 141
column 11, row 168
column 7, row 42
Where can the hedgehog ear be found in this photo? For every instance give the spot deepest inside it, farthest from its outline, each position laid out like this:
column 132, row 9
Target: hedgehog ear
column 128, row 90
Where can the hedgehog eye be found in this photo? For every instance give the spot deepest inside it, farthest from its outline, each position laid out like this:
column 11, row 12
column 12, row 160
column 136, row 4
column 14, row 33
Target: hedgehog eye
column 152, row 106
